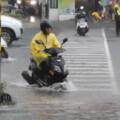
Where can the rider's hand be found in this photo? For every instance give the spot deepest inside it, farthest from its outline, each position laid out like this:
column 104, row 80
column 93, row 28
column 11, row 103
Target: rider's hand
column 42, row 51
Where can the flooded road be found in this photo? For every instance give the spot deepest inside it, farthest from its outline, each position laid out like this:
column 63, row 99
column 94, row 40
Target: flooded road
column 91, row 92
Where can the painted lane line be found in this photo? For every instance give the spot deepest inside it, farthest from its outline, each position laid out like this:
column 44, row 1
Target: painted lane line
column 114, row 83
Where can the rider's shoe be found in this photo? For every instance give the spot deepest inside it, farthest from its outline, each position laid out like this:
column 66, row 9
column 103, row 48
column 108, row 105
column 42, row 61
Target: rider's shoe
column 27, row 77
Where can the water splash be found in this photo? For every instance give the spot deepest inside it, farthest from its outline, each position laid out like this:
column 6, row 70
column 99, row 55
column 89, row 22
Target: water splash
column 70, row 86
column 58, row 87
column 64, row 87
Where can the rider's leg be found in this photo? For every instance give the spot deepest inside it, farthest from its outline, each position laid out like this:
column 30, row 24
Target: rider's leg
column 28, row 78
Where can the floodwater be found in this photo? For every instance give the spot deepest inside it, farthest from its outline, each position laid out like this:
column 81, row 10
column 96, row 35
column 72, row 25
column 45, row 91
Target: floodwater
column 90, row 93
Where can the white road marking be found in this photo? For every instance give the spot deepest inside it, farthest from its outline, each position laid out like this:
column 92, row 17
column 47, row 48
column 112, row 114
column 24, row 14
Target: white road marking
column 10, row 59
column 114, row 83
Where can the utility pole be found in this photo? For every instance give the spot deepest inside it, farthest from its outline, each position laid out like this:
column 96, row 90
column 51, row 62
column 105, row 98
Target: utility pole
column 1, row 85
column 5, row 98
column 47, row 9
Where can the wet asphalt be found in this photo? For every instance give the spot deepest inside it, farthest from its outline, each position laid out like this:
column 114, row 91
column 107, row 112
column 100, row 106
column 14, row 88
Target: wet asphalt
column 95, row 101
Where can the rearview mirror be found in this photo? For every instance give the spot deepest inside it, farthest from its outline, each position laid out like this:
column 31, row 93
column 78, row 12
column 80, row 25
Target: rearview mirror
column 64, row 40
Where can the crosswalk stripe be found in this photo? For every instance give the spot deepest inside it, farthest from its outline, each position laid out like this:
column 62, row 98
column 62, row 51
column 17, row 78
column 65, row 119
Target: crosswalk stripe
column 88, row 62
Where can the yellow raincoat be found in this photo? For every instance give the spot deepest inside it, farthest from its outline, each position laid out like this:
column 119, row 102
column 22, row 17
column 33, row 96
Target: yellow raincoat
column 117, row 7
column 96, row 15
column 50, row 41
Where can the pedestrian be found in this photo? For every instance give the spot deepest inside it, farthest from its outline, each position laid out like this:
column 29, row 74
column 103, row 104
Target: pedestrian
column 40, row 10
column 117, row 17
column 31, row 13
column 111, row 12
column 96, row 15
column 103, row 12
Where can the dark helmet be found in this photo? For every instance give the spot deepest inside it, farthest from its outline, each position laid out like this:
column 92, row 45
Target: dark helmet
column 45, row 24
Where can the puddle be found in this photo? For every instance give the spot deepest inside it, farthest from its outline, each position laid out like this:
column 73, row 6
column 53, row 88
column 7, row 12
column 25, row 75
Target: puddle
column 59, row 87
column 70, row 86
column 18, row 84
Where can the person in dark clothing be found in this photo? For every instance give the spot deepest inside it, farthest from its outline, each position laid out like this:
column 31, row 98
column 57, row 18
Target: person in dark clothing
column 40, row 10
column 31, row 11
column 117, row 17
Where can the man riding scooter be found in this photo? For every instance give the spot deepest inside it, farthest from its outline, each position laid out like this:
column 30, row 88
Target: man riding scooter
column 81, row 22
column 50, row 41
column 81, row 13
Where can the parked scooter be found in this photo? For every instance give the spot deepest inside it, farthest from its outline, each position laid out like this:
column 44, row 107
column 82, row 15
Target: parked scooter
column 54, row 71
column 3, row 46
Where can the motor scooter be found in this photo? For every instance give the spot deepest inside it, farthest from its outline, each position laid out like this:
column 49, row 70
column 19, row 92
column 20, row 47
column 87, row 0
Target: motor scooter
column 81, row 24
column 52, row 70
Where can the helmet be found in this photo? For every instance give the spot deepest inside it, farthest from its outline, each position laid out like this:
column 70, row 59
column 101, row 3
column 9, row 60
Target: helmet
column 81, row 7
column 45, row 24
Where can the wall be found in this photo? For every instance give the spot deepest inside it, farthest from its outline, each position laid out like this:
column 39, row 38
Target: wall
column 66, row 9
column 53, row 14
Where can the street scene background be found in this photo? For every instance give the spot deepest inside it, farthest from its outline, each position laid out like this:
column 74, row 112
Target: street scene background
column 93, row 89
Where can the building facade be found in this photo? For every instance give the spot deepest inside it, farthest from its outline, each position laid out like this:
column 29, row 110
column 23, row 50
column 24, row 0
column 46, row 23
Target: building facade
column 61, row 9
column 65, row 9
